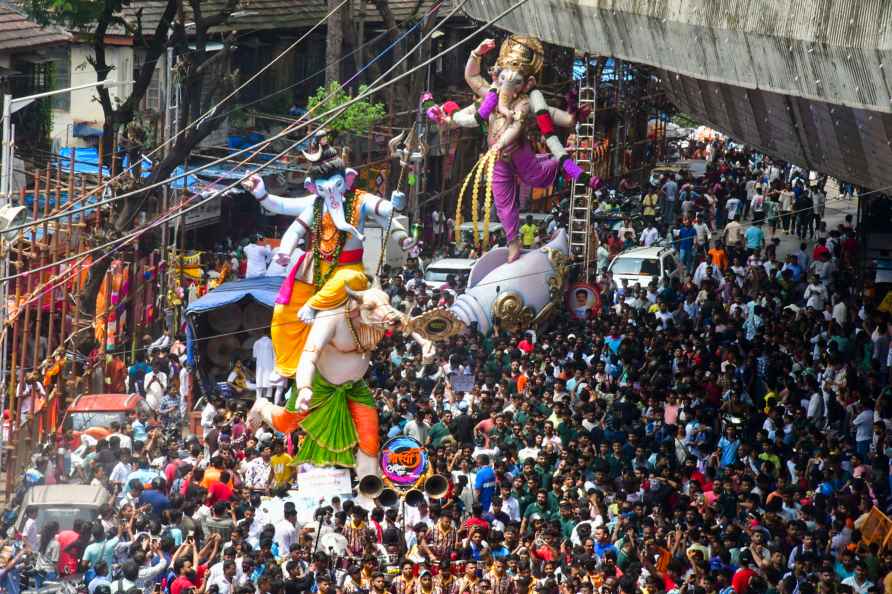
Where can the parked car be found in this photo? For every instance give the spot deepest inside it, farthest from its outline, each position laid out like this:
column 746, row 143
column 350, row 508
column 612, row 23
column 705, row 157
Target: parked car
column 62, row 503
column 641, row 265
column 94, row 414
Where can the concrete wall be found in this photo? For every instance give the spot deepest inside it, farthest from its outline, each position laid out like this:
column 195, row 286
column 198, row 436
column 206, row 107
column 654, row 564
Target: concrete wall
column 85, row 105
column 809, row 81
column 838, row 51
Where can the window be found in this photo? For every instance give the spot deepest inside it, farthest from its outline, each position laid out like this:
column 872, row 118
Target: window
column 152, row 99
column 62, row 80
column 631, row 265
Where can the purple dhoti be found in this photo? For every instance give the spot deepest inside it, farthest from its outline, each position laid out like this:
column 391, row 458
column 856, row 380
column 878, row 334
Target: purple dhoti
column 532, row 170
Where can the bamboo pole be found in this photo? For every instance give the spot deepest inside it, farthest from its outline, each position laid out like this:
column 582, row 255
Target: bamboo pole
column 101, row 160
column 20, row 266
column 26, row 335
column 54, row 253
column 77, row 310
column 35, row 355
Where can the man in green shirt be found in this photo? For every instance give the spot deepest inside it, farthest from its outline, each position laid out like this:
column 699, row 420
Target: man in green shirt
column 525, row 493
column 566, row 520
column 439, row 432
column 539, row 508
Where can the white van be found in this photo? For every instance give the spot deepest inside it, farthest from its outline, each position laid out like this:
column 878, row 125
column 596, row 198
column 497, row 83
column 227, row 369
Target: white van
column 436, row 272
column 640, row 265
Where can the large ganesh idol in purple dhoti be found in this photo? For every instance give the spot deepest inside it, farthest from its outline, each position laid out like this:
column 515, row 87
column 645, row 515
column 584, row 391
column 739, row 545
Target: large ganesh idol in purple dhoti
column 512, row 108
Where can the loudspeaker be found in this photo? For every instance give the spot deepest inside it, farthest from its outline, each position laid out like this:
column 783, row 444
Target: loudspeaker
column 371, row 486
column 414, row 497
column 388, row 498
column 436, row 486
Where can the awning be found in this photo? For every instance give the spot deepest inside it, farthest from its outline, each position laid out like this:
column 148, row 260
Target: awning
column 85, row 130
column 263, row 289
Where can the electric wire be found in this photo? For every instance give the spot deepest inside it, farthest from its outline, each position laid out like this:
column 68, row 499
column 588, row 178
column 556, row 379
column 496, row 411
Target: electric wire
column 213, row 108
column 376, row 87
column 262, row 144
column 111, row 245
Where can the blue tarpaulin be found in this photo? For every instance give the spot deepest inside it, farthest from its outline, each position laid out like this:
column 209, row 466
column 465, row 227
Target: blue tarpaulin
column 86, row 160
column 262, row 289
column 85, row 130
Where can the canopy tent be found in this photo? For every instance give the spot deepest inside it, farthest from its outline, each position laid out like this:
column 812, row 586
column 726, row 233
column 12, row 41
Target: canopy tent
column 225, row 323
column 262, row 289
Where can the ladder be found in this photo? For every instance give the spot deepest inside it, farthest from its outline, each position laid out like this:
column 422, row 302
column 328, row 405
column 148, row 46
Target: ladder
column 581, row 241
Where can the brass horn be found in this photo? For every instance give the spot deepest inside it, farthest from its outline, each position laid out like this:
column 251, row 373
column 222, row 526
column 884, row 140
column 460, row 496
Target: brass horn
column 436, row 486
column 388, row 498
column 413, row 497
column 371, row 486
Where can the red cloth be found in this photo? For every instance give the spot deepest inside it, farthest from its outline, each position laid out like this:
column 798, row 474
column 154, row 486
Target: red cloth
column 180, row 584
column 477, row 522
column 218, row 492
column 284, row 298
column 546, row 126
column 741, row 580
column 819, row 251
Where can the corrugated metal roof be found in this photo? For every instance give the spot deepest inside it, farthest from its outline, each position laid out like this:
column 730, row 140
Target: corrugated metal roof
column 18, row 32
column 851, row 144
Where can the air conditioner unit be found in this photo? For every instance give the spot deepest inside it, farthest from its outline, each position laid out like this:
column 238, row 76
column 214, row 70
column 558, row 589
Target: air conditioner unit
column 12, row 216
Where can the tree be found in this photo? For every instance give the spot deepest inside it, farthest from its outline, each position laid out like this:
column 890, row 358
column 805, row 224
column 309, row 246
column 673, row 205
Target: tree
column 334, row 41
column 204, row 79
column 356, row 119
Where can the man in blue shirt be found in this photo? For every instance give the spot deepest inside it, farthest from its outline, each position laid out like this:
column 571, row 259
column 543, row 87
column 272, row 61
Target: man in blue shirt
column 686, row 236
column 669, row 191
column 602, row 542
column 755, row 238
column 727, row 448
column 485, row 483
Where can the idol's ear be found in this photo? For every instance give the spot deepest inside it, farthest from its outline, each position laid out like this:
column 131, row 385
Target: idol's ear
column 310, row 186
column 350, row 176
column 531, row 84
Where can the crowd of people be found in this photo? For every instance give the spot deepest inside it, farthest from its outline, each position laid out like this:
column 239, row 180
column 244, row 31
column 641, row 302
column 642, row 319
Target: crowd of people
column 722, row 430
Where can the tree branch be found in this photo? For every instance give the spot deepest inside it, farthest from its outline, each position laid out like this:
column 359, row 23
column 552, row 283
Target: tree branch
column 100, row 65
column 222, row 16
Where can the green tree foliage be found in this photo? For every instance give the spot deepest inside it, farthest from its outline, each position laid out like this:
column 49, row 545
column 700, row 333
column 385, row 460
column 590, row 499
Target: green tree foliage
column 72, row 14
column 357, row 119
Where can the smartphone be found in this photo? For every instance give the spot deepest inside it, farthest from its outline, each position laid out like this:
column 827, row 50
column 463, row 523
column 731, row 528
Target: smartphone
column 157, row 587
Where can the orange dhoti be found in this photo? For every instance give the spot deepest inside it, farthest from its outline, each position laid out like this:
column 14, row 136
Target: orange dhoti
column 288, row 332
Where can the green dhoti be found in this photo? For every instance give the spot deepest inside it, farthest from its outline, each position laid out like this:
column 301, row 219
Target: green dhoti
column 341, row 417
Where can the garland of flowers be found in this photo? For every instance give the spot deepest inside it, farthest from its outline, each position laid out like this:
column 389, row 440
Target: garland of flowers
column 318, row 278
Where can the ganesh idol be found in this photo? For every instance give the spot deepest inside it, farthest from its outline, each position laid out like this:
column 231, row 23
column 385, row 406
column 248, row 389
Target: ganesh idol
column 330, row 222
column 318, row 335
column 512, row 108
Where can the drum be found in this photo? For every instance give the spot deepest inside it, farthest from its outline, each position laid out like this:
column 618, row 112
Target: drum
column 403, row 462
